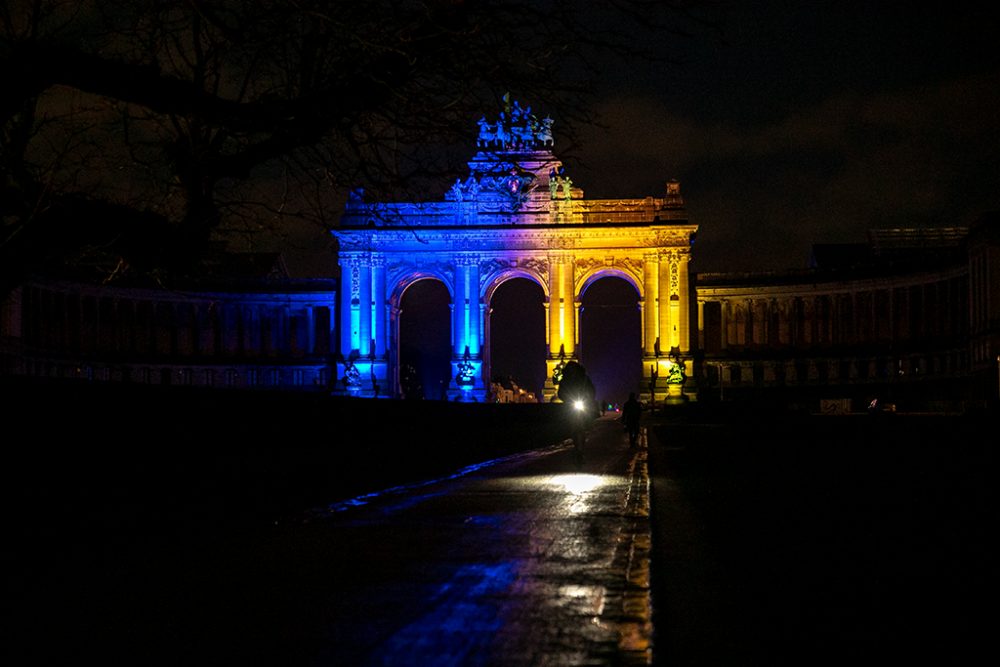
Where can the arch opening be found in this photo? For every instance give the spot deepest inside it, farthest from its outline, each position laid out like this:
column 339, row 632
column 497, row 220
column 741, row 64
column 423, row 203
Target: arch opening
column 517, row 347
column 424, row 340
column 611, row 338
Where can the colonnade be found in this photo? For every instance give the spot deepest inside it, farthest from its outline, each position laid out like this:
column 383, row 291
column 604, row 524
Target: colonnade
column 841, row 315
column 155, row 336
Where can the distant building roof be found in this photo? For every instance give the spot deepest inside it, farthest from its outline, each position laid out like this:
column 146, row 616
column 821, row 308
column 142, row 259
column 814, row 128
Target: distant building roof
column 887, row 252
column 899, row 247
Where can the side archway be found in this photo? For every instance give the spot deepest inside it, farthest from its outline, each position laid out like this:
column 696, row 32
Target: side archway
column 611, row 336
column 423, row 353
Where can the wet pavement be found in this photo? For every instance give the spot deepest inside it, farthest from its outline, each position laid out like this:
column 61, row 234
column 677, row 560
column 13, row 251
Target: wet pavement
column 529, row 559
column 744, row 540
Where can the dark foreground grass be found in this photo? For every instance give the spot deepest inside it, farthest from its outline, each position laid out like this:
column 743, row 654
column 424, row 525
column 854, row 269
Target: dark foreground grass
column 839, row 540
column 257, row 454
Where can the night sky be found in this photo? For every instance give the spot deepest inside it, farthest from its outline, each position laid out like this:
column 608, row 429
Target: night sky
column 810, row 122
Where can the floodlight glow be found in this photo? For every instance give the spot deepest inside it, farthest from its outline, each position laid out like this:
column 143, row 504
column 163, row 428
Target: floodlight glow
column 579, row 484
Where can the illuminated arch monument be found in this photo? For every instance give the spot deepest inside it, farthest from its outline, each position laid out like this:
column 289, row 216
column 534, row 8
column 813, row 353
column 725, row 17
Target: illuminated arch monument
column 516, row 215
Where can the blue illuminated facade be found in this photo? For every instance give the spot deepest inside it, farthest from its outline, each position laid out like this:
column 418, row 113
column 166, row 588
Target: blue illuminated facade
column 517, row 214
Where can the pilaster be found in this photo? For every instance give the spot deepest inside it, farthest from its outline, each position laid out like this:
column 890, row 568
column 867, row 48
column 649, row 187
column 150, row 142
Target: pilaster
column 650, row 314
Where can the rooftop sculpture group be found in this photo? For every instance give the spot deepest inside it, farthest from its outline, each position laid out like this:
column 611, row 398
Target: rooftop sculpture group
column 517, row 128
column 513, row 162
column 508, row 179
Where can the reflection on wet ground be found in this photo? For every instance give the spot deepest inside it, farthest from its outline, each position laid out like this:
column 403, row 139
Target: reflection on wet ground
column 529, row 559
column 518, row 563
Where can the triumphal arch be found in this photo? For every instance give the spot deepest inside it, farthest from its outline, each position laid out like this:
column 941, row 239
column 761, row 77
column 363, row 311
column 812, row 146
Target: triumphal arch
column 517, row 214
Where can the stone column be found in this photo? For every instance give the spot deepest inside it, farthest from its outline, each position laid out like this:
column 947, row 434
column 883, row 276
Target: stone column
column 807, row 324
column 739, row 314
column 349, row 277
column 475, row 308
column 558, row 335
column 780, row 316
column 281, row 330
column 467, row 313
column 571, row 308
column 556, row 329
column 663, row 304
column 650, row 315
column 684, row 314
column 757, row 310
column 725, row 318
column 364, row 309
column 701, row 323
column 251, row 330
column 466, row 327
column 309, row 322
column 392, row 372
column 379, row 314
column 460, row 308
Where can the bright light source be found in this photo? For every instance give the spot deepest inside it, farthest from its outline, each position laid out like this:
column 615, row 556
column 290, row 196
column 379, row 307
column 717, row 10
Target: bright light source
column 578, row 405
column 580, row 484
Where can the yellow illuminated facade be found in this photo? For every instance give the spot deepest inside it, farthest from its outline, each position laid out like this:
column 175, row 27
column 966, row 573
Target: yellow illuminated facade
column 517, row 215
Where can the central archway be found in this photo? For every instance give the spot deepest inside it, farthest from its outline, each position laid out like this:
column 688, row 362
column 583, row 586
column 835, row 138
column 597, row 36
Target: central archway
column 516, row 337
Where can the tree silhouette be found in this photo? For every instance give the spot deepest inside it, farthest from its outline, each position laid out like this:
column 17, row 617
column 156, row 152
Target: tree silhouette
column 137, row 136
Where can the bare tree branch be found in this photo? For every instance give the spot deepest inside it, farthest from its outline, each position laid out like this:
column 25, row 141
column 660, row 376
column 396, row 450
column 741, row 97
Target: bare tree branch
column 164, row 122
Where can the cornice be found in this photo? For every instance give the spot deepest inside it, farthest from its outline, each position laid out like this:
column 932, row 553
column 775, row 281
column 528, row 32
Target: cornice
column 517, row 237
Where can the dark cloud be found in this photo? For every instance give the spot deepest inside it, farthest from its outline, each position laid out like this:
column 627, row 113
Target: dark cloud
column 809, row 123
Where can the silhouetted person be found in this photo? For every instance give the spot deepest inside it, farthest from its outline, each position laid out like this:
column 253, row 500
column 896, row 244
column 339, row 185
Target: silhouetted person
column 631, row 415
column 577, row 391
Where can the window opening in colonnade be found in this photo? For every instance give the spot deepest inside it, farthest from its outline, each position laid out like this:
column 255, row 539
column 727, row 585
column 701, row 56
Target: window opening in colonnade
column 425, row 340
column 611, row 339
column 517, row 335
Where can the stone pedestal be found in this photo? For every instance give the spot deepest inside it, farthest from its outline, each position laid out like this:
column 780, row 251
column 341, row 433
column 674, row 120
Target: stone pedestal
column 675, row 394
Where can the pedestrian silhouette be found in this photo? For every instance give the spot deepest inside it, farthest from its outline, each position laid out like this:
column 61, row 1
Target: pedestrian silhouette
column 631, row 415
column 577, row 390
